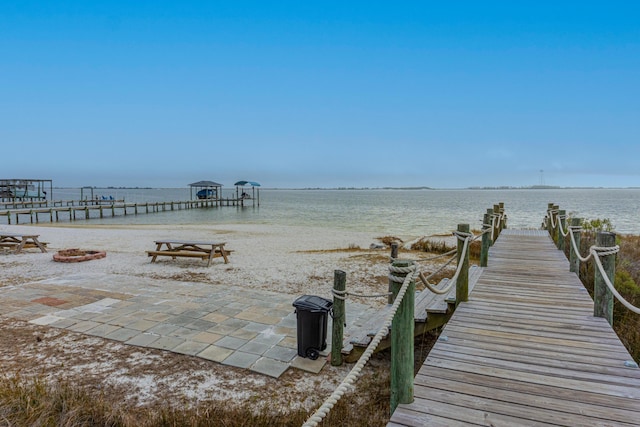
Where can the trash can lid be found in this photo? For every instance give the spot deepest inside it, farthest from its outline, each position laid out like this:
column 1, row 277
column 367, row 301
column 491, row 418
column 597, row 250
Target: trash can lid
column 313, row 303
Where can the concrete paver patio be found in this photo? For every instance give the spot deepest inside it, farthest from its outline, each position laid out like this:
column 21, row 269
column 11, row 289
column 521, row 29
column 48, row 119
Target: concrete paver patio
column 239, row 327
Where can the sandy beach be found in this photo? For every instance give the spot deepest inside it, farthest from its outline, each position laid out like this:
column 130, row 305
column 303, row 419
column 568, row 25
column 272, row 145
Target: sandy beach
column 293, row 261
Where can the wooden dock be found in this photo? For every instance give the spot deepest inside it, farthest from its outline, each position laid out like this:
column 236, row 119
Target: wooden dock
column 54, row 211
column 525, row 350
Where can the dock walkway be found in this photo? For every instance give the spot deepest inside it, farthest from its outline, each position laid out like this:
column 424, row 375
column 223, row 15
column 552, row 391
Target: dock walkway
column 525, row 350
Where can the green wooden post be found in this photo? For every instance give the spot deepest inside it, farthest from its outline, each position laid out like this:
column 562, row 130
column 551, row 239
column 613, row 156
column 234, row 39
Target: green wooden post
column 562, row 225
column 339, row 285
column 549, row 227
column 602, row 296
column 490, row 222
column 462, row 284
column 394, row 256
column 503, row 222
column 574, row 261
column 486, row 241
column 402, row 331
column 496, row 228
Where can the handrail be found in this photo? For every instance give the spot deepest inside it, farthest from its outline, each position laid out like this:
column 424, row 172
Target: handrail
column 595, row 252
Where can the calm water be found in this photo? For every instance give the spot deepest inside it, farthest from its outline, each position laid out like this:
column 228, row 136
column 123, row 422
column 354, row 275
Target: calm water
column 397, row 212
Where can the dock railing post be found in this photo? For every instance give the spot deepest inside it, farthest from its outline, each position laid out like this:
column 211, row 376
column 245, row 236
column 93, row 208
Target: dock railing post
column 462, row 284
column 394, row 256
column 486, row 241
column 496, row 228
column 402, row 331
column 503, row 218
column 548, row 220
column 574, row 261
column 602, row 296
column 490, row 222
column 339, row 286
column 562, row 222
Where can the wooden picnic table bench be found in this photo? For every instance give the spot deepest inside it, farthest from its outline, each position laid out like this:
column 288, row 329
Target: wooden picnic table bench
column 178, row 248
column 18, row 241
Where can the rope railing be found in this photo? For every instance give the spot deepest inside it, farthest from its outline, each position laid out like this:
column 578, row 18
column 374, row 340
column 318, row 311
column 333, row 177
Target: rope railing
column 355, row 372
column 402, row 276
column 595, row 253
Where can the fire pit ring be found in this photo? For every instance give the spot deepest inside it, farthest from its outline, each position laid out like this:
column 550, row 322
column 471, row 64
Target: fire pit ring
column 77, row 255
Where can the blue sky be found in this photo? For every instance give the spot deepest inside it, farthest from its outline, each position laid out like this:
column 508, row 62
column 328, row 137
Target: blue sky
column 321, row 94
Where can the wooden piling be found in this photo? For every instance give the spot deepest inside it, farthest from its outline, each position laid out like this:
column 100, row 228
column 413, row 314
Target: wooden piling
column 339, row 285
column 402, row 357
column 562, row 225
column 490, row 222
column 486, row 239
column 602, row 296
column 574, row 261
column 462, row 284
column 394, row 256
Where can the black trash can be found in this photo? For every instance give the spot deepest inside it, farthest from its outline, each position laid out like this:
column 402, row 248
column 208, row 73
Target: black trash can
column 311, row 316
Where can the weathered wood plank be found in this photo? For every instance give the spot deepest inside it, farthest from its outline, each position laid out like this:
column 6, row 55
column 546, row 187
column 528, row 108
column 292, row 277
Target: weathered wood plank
column 525, row 350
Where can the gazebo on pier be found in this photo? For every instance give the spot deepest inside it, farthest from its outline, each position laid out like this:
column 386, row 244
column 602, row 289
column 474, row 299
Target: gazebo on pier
column 255, row 191
column 206, row 190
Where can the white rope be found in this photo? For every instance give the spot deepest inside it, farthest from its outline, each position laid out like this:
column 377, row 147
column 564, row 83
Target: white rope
column 603, row 273
column 353, row 375
column 454, row 279
column 596, row 252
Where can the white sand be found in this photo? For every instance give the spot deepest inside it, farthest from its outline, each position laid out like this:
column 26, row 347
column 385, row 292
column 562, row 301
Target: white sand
column 292, row 260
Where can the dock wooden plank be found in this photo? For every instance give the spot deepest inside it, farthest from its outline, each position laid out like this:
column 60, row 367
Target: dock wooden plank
column 525, row 350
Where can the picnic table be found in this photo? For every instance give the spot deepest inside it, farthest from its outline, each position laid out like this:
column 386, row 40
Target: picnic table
column 178, row 248
column 18, row 241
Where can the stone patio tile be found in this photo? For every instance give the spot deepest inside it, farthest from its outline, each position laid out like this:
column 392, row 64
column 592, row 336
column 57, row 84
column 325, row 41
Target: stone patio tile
column 235, row 323
column 157, row 317
column 269, row 338
column 215, row 353
column 185, row 333
column 255, row 348
column 43, row 321
column 64, row 323
column 270, row 367
column 230, row 312
column 105, row 318
column 200, row 324
column 67, row 313
column 244, row 334
column 162, row 329
column 122, row 321
column 255, row 327
column 231, row 342
column 215, row 317
column 238, row 305
column 222, row 329
column 179, row 320
column 102, row 330
column 166, row 343
column 206, row 337
column 196, row 314
column 283, row 354
column 308, row 365
column 281, row 330
column 142, row 325
column 83, row 326
column 87, row 316
column 122, row 334
column 190, row 347
column 142, row 340
column 289, row 342
column 241, row 360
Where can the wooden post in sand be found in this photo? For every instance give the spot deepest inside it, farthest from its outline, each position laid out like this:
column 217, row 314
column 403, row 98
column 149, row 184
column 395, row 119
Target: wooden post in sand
column 339, row 286
column 402, row 329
